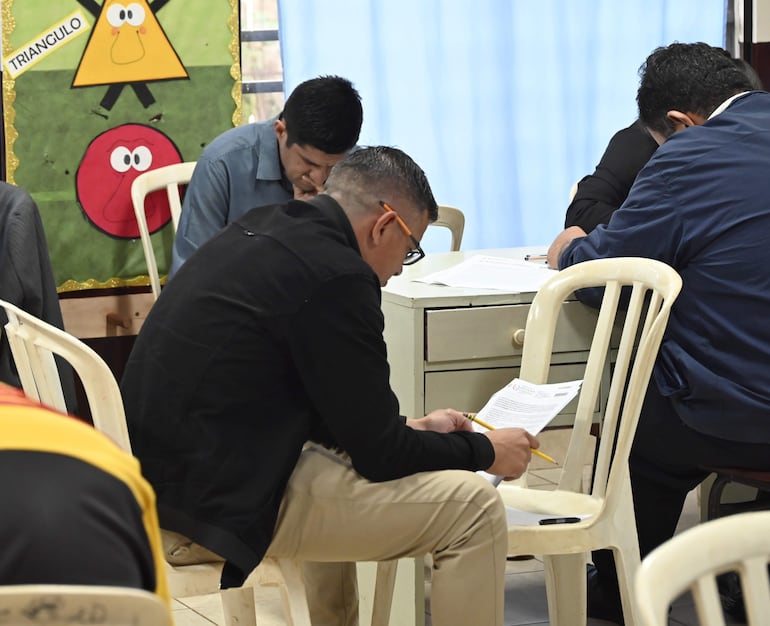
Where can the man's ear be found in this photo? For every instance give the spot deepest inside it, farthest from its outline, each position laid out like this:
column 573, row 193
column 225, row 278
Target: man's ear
column 370, row 233
column 684, row 120
column 379, row 226
column 280, row 127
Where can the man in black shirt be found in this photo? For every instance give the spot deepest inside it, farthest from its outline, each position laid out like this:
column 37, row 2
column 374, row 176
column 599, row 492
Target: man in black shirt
column 270, row 336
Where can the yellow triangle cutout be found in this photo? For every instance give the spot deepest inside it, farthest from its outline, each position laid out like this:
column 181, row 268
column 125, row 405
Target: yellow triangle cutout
column 127, row 45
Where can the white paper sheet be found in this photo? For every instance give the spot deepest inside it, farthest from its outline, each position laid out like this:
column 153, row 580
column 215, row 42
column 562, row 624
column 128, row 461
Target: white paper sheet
column 523, row 405
column 490, row 272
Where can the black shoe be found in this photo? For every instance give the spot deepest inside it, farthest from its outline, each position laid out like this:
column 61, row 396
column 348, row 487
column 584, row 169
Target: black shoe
column 603, row 598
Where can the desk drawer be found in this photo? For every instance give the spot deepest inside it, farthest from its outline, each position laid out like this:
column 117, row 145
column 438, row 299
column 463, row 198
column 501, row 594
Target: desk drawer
column 469, row 390
column 488, row 332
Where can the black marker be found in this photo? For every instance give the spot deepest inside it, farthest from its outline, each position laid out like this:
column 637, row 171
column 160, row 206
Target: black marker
column 559, row 520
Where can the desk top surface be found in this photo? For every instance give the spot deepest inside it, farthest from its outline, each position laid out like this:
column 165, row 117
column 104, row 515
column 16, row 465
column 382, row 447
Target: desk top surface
column 403, row 291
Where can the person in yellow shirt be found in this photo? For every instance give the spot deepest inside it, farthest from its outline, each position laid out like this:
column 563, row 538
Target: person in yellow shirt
column 76, row 509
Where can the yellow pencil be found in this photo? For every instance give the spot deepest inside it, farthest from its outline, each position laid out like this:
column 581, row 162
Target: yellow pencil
column 472, row 417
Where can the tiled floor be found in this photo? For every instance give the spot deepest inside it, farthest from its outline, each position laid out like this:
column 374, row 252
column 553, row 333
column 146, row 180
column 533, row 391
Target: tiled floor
column 525, row 599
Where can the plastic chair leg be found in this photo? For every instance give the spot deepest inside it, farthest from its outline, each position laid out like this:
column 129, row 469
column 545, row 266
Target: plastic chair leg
column 627, row 563
column 238, row 604
column 383, row 592
column 293, row 592
column 565, row 583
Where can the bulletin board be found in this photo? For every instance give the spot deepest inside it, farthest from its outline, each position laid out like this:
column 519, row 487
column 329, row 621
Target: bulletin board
column 96, row 92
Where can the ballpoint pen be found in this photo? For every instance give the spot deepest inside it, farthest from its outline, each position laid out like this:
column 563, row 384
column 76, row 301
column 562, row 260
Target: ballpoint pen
column 472, row 417
column 536, row 257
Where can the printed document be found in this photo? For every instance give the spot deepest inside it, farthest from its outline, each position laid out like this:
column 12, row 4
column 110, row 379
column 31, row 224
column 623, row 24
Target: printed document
column 525, row 405
column 490, row 272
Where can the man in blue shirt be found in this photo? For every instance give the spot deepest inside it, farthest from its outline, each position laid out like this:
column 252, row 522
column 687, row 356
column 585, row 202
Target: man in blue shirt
column 270, row 162
column 700, row 205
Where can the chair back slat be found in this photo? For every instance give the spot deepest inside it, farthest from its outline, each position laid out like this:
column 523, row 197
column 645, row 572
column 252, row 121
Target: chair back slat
column 634, row 289
column 170, row 178
column 34, row 343
column 692, row 560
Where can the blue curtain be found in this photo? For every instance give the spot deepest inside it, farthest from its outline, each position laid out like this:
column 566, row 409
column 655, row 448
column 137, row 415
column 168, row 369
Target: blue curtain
column 504, row 103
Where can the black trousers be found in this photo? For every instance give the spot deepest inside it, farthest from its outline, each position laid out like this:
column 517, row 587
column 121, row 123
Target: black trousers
column 665, row 464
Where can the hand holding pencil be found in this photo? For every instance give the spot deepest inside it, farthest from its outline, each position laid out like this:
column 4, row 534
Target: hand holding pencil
column 472, row 417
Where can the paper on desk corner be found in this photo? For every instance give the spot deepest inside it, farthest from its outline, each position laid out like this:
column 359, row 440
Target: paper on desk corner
column 491, row 272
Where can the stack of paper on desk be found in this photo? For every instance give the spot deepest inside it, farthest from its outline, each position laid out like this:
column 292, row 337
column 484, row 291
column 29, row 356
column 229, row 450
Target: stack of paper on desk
column 490, row 272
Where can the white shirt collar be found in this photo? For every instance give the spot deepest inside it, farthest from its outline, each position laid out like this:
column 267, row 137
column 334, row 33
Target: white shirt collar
column 726, row 104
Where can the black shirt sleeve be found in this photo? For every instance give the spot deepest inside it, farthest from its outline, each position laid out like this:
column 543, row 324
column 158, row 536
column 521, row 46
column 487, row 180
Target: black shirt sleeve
column 601, row 193
column 337, row 343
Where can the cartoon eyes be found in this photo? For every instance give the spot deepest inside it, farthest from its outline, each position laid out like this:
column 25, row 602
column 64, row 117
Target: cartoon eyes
column 133, row 15
column 122, row 159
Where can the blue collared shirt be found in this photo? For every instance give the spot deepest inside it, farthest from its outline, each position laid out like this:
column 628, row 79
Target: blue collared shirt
column 239, row 170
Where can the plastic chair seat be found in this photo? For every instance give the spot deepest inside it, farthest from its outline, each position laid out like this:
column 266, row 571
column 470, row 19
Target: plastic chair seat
column 727, row 475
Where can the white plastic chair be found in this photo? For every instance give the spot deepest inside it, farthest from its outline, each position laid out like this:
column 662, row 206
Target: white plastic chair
column 169, row 177
column 33, row 344
column 608, row 509
column 453, row 219
column 573, row 190
column 693, row 559
column 64, row 605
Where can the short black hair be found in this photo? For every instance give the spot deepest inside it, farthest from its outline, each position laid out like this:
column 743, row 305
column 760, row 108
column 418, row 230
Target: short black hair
column 376, row 173
column 325, row 113
column 692, row 78
column 751, row 73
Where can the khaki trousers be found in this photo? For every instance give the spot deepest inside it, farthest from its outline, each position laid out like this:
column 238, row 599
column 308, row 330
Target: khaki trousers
column 331, row 514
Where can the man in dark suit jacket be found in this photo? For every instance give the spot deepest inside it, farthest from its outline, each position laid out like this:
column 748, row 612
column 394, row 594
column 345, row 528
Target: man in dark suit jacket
column 600, row 194
column 26, row 277
column 700, row 205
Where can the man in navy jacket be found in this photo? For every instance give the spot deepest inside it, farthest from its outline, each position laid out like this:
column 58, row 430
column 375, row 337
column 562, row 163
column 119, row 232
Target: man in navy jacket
column 702, row 206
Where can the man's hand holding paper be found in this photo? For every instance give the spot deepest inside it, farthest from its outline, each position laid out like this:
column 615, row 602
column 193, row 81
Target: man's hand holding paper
column 512, row 451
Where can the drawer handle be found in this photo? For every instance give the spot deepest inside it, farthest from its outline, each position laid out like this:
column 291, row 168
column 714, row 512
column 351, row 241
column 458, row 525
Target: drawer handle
column 518, row 338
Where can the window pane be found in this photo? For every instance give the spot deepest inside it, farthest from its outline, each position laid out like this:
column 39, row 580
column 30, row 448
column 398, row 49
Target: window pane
column 259, row 14
column 258, row 107
column 261, row 60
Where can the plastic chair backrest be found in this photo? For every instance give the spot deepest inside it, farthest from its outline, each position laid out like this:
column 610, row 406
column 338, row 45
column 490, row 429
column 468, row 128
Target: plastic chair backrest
column 653, row 289
column 65, row 605
column 573, row 190
column 691, row 561
column 169, row 177
column 453, row 219
column 34, row 343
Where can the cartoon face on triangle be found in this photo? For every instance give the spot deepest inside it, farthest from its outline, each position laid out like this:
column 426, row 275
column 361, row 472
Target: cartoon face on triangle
column 127, row 45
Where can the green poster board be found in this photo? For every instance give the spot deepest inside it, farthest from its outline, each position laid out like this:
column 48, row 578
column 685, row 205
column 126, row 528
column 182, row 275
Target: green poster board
column 96, row 91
